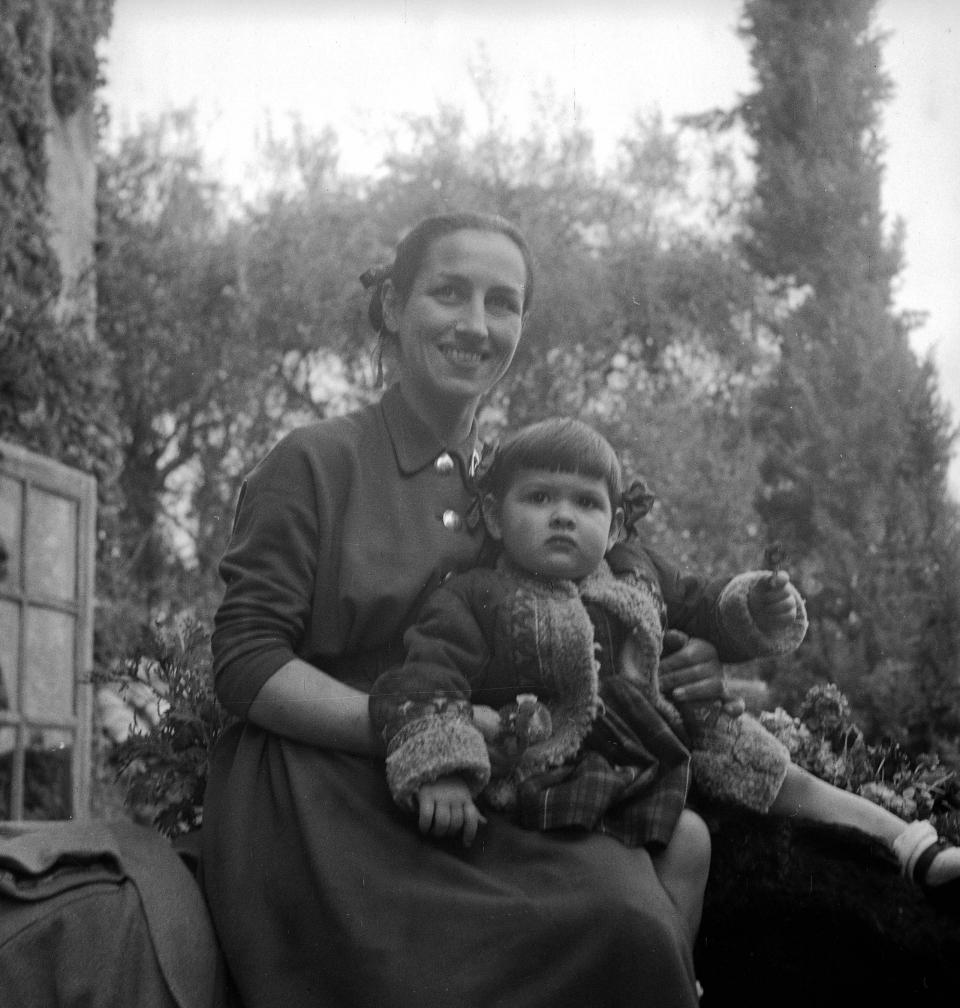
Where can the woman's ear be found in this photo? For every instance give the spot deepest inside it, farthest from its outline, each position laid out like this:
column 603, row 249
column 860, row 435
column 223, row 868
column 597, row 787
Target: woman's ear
column 491, row 516
column 616, row 527
column 391, row 306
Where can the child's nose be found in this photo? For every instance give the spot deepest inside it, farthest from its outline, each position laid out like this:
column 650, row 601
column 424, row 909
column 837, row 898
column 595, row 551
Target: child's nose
column 562, row 516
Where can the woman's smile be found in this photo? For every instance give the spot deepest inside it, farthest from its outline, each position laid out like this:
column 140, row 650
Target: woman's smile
column 461, row 355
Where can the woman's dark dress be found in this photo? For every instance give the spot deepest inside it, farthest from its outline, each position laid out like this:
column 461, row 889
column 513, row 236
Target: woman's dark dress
column 322, row 891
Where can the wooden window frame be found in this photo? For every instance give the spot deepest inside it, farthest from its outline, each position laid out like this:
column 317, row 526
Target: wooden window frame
column 37, row 473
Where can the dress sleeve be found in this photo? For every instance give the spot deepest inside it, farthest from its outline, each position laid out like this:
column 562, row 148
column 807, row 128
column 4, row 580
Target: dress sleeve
column 268, row 571
column 422, row 708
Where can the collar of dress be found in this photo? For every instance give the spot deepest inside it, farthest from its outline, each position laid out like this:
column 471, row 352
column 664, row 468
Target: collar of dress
column 415, row 446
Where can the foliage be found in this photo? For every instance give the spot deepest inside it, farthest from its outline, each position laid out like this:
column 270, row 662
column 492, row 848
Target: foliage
column 54, row 389
column 74, row 69
column 824, row 739
column 855, row 441
column 163, row 766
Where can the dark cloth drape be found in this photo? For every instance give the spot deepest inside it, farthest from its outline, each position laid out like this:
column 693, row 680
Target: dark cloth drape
column 101, row 915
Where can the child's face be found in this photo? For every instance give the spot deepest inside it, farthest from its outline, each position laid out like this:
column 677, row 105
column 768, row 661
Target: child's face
column 555, row 525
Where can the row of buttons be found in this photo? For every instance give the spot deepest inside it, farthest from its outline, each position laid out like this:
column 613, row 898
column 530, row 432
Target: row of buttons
column 450, row 518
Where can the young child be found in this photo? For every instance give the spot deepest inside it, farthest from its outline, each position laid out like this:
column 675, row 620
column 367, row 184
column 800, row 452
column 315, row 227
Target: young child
column 534, row 684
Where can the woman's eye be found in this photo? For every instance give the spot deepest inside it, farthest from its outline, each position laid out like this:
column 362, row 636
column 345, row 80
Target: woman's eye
column 504, row 304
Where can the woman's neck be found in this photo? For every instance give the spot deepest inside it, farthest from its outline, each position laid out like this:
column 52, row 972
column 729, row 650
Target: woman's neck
column 449, row 420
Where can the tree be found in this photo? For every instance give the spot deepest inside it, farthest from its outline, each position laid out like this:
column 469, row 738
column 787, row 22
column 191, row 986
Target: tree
column 226, row 328
column 855, row 442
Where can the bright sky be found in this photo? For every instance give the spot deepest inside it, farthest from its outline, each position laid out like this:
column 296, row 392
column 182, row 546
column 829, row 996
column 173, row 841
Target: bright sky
column 356, row 66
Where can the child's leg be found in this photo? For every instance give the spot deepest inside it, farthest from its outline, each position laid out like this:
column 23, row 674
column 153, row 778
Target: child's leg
column 809, row 797
column 682, row 867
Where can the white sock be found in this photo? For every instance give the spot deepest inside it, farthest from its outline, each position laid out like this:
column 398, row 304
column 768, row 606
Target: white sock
column 912, row 842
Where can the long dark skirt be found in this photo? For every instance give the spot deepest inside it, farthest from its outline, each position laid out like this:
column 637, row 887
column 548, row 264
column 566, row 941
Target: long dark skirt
column 325, row 894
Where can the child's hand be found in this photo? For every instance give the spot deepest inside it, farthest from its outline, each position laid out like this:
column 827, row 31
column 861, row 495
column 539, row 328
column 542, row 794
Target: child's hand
column 446, row 809
column 487, row 721
column 773, row 606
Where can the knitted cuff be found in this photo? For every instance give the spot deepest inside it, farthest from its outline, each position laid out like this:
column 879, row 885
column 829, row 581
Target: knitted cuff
column 432, row 747
column 738, row 624
column 736, row 759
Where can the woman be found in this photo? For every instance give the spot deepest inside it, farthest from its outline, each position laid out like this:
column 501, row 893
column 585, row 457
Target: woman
column 320, row 891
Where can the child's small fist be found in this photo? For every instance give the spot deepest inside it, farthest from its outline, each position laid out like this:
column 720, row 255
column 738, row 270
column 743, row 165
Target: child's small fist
column 772, row 602
column 487, row 722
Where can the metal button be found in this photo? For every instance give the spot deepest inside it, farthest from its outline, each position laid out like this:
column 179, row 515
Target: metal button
column 451, row 520
column 444, row 464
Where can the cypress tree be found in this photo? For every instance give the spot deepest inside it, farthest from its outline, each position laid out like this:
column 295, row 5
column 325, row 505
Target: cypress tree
column 853, row 477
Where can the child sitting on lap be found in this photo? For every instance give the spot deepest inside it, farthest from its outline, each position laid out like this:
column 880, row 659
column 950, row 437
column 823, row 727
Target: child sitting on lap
column 533, row 686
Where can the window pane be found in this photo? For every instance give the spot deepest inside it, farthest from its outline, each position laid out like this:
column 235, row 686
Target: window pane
column 9, row 654
column 11, row 506
column 52, row 545
column 8, row 740
column 48, row 775
column 48, row 683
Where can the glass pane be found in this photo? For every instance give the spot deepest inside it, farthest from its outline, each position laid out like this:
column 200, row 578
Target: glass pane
column 9, row 654
column 48, row 680
column 8, row 739
column 48, row 775
column 11, row 507
column 52, row 545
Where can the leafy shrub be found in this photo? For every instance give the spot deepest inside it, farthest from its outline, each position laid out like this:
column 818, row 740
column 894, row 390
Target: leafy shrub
column 824, row 740
column 162, row 766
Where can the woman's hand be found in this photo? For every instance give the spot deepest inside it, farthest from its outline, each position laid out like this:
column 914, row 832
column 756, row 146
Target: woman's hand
column 446, row 808
column 690, row 672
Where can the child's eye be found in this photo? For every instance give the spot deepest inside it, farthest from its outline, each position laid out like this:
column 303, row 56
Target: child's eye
column 538, row 497
column 589, row 503
column 446, row 292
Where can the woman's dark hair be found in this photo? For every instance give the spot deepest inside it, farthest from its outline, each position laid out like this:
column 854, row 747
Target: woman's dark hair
column 559, row 444
column 413, row 248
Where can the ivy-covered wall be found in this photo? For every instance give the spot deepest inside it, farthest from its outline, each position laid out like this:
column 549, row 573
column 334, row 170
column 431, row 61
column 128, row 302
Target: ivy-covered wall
column 72, row 32
column 48, row 76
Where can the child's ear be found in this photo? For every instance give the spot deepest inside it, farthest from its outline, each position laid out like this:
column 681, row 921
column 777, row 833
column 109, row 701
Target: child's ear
column 491, row 516
column 616, row 527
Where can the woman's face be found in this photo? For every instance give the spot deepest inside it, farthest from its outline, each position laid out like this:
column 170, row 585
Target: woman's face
column 460, row 325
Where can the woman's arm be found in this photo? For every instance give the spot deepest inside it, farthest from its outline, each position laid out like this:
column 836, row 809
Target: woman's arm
column 307, row 705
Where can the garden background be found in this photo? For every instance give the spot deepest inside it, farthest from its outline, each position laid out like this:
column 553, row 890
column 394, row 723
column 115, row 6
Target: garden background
column 718, row 300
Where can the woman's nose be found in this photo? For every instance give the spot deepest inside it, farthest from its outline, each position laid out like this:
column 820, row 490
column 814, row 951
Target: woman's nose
column 473, row 319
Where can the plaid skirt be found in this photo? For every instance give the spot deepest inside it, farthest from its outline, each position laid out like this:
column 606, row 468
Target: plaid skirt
column 630, row 781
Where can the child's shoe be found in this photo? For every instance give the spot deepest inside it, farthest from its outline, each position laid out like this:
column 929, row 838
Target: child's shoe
column 916, row 849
